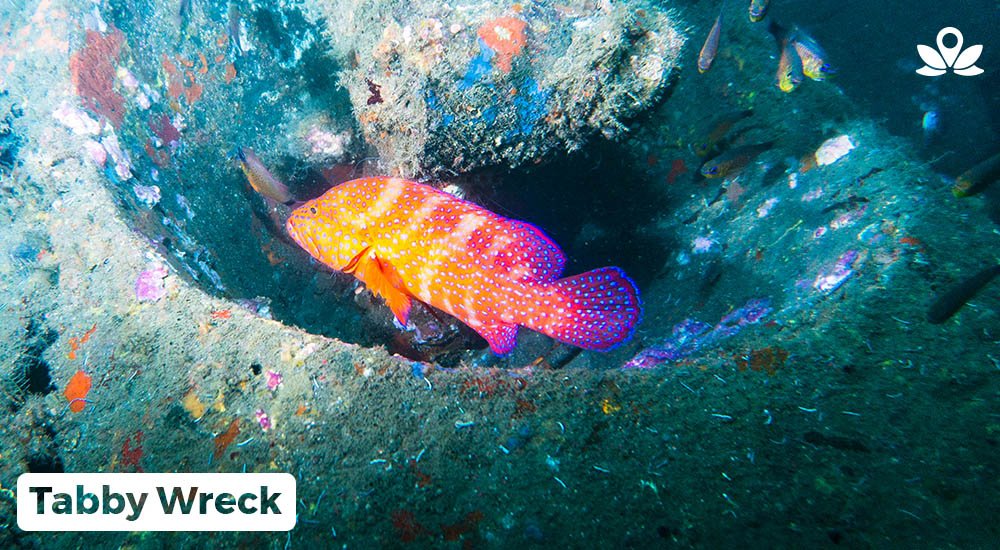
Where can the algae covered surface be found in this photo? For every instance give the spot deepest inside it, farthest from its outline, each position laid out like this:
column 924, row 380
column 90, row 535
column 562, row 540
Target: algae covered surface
column 785, row 386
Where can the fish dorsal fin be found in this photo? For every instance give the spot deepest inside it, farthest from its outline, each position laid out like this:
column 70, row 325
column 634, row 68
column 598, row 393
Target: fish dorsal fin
column 534, row 250
column 383, row 280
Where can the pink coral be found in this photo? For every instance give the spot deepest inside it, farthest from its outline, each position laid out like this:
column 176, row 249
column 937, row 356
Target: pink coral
column 263, row 420
column 149, row 287
column 273, row 379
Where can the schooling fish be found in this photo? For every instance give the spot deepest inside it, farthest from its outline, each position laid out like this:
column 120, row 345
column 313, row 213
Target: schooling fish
column 733, row 161
column 407, row 240
column 979, row 177
column 758, row 9
column 720, row 127
column 707, row 54
column 811, row 55
column 789, row 68
column 950, row 302
column 261, row 179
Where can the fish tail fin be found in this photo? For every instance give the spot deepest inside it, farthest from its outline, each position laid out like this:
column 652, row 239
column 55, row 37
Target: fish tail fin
column 596, row 310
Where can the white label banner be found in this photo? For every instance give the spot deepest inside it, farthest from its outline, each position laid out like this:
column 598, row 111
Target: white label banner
column 156, row 502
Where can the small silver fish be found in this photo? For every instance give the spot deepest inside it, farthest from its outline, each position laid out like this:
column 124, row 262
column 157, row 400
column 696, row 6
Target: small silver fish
column 707, row 54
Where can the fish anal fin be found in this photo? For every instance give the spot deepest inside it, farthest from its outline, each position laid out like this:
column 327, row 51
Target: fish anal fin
column 500, row 336
column 383, row 280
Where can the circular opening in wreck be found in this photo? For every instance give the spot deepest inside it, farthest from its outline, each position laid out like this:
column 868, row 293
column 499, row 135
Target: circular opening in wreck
column 709, row 258
column 182, row 104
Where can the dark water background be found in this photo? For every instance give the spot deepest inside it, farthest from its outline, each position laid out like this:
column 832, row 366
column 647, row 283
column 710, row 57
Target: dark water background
column 873, row 46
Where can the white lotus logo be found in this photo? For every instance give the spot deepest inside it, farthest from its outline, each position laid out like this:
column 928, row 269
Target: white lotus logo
column 939, row 61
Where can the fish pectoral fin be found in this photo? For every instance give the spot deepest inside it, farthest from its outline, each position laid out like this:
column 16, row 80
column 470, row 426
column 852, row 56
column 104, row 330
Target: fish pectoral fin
column 352, row 266
column 383, row 279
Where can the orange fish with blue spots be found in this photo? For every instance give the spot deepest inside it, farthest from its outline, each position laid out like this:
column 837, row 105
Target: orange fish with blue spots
column 409, row 241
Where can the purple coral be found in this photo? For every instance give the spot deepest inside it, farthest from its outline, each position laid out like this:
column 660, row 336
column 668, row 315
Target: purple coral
column 829, row 280
column 147, row 194
column 690, row 335
column 150, row 287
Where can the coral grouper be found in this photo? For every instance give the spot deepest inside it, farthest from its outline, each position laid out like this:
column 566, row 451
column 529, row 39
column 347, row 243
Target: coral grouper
column 406, row 240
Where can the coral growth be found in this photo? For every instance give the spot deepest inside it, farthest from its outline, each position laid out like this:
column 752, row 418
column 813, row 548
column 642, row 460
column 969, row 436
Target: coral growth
column 505, row 36
column 273, row 379
column 193, row 405
column 263, row 419
column 132, row 451
column 406, row 526
column 93, row 72
column 691, row 335
column 76, row 341
column 769, row 360
column 77, row 390
column 436, row 90
column 165, row 129
column 226, row 438
column 465, row 525
column 181, row 82
column 149, row 285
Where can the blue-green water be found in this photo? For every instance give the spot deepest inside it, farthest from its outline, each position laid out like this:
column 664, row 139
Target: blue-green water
column 817, row 359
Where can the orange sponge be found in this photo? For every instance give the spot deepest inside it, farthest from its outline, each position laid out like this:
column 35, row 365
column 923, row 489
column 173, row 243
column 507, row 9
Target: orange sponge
column 77, row 390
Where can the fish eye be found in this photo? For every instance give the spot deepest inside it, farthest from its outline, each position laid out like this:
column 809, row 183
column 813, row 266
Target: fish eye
column 713, row 170
column 312, row 210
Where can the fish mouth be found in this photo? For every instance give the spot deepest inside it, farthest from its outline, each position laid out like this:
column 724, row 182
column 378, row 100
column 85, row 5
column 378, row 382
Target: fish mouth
column 301, row 238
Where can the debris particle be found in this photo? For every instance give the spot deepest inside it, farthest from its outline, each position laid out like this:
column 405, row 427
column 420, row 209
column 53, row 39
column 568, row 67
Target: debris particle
column 833, row 150
column 374, row 93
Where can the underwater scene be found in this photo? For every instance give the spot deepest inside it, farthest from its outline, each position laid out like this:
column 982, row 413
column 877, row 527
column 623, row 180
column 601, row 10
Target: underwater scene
column 503, row 274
